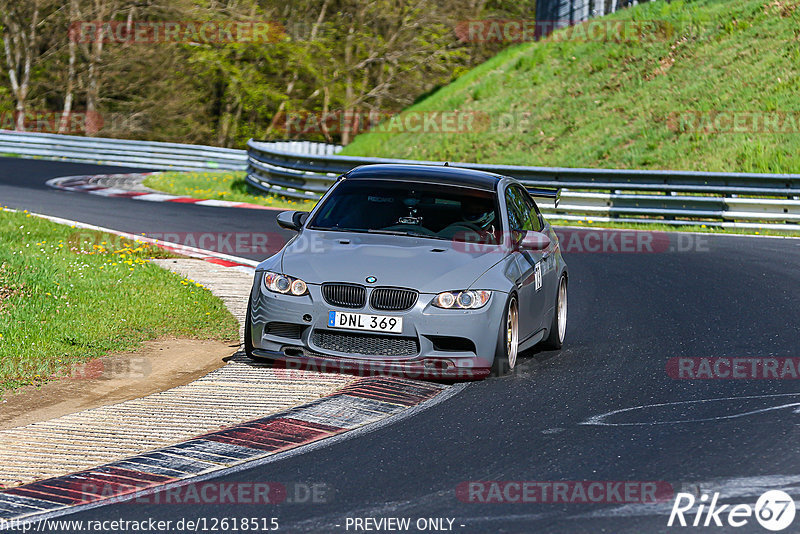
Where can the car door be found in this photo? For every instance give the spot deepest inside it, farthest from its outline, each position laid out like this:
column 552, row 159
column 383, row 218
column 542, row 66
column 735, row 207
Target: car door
column 549, row 267
column 522, row 217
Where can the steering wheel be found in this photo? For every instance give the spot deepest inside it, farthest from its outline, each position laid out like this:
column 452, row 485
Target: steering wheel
column 469, row 225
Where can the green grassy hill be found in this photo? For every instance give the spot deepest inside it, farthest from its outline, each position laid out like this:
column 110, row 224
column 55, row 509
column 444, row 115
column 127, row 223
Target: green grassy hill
column 613, row 104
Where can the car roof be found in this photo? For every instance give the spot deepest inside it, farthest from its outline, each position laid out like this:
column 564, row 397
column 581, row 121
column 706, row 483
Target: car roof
column 437, row 174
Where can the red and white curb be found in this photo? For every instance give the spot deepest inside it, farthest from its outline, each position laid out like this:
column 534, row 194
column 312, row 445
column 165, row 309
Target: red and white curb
column 88, row 184
column 366, row 401
column 361, row 406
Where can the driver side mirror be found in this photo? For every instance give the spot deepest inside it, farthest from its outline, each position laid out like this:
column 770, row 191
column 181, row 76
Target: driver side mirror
column 292, row 220
column 535, row 240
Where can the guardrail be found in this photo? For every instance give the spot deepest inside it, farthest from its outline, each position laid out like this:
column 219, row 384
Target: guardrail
column 121, row 152
column 669, row 197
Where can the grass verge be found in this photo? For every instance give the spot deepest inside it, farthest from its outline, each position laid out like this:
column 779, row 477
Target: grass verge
column 69, row 295
column 220, row 185
column 605, row 103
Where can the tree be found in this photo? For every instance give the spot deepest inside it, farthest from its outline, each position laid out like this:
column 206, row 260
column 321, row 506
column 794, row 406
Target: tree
column 20, row 46
column 348, row 56
column 70, row 86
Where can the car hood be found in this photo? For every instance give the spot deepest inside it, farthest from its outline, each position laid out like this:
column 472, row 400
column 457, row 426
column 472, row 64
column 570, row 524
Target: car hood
column 427, row 265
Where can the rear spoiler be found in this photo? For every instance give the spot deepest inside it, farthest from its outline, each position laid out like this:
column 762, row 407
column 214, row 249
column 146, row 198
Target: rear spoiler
column 546, row 192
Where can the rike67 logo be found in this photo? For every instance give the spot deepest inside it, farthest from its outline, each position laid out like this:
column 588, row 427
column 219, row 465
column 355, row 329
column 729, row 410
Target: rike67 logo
column 774, row 510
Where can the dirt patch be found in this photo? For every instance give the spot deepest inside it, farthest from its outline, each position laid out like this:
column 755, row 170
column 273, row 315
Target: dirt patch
column 784, row 7
column 157, row 366
column 7, row 290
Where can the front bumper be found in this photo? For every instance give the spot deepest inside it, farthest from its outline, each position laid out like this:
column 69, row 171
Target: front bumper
column 435, row 343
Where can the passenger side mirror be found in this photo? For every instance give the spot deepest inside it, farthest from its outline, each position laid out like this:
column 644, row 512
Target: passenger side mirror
column 535, row 240
column 292, row 220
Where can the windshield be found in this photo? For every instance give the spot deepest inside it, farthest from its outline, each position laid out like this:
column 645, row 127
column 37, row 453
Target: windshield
column 414, row 209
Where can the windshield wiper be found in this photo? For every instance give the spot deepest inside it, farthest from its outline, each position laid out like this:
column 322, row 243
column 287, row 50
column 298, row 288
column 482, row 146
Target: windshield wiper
column 388, row 232
column 407, row 233
column 337, row 229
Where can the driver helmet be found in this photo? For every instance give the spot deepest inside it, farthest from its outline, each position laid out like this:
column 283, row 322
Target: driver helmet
column 474, row 212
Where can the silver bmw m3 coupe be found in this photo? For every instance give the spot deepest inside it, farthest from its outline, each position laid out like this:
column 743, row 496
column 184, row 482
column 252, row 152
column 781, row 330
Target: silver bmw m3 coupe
column 422, row 271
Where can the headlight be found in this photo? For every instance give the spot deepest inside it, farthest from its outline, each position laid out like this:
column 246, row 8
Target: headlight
column 280, row 283
column 465, row 300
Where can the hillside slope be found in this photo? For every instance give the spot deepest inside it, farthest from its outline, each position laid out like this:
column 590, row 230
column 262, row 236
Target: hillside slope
column 684, row 97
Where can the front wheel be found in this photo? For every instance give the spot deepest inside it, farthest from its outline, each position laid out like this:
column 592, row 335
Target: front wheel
column 505, row 358
column 248, row 340
column 248, row 335
column 558, row 328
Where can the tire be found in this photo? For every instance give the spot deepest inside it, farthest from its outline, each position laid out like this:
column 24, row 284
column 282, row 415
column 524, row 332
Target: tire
column 505, row 357
column 248, row 336
column 248, row 340
column 558, row 327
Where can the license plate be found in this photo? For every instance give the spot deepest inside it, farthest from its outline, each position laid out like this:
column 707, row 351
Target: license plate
column 363, row 321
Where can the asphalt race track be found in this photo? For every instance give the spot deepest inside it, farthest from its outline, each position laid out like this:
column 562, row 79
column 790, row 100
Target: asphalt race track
column 629, row 314
column 22, row 185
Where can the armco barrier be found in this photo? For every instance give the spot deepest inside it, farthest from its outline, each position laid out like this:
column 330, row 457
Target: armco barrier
column 122, row 152
column 301, row 169
column 669, row 197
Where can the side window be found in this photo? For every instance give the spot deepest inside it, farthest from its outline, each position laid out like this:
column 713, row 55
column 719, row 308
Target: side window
column 522, row 212
column 516, row 212
column 536, row 221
